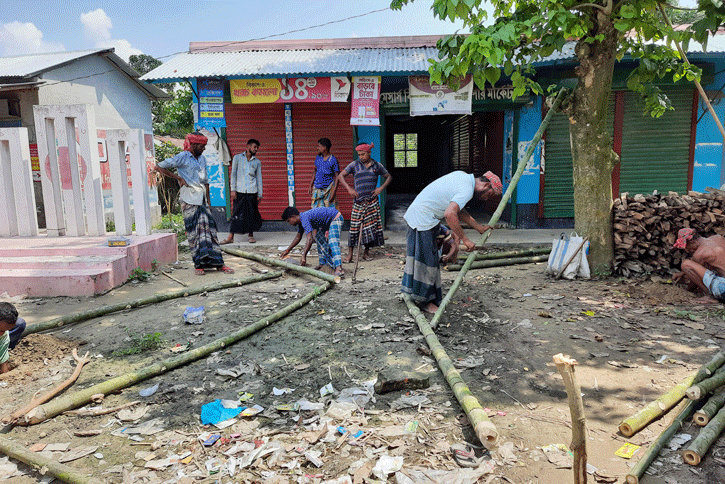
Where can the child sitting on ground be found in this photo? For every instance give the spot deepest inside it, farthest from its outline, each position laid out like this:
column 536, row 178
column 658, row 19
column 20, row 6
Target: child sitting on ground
column 11, row 330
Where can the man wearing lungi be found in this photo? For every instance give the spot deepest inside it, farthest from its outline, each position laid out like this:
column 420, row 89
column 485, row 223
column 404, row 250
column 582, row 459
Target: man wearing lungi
column 324, row 177
column 246, row 193
column 200, row 227
column 317, row 223
column 446, row 198
column 365, row 217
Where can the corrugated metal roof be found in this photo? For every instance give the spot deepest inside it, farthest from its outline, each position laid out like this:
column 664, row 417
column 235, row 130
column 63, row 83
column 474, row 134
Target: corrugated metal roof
column 278, row 63
column 25, row 66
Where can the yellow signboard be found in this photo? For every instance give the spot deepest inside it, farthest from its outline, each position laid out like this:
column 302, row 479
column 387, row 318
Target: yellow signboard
column 250, row 91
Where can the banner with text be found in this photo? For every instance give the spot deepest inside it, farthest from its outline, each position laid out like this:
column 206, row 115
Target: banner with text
column 211, row 104
column 427, row 99
column 365, row 101
column 294, row 90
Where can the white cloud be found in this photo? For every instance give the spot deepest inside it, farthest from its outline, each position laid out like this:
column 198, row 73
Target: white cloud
column 97, row 27
column 18, row 38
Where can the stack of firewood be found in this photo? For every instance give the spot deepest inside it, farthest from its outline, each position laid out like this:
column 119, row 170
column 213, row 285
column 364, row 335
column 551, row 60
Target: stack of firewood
column 645, row 227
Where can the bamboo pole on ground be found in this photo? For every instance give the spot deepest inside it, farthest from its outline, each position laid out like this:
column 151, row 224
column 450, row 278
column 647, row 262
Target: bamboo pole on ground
column 709, row 433
column 156, row 298
column 699, row 389
column 512, row 261
column 280, row 263
column 654, row 449
column 37, row 461
column 501, row 206
column 663, row 404
column 509, row 253
column 483, row 427
column 713, row 405
column 82, row 397
column 565, row 365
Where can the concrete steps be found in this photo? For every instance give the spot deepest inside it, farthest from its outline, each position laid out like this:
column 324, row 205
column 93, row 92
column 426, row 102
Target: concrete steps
column 76, row 266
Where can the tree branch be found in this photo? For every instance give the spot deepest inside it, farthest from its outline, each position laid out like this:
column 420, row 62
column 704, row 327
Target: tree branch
column 603, row 9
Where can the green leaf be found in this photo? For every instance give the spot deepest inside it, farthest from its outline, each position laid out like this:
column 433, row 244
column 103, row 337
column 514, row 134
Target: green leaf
column 492, row 75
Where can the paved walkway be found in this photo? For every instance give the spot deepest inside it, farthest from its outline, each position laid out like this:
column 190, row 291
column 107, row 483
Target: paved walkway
column 514, row 237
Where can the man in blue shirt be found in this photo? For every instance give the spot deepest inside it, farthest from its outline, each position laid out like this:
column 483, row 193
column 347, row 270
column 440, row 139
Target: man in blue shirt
column 324, row 177
column 315, row 223
column 200, row 227
column 11, row 330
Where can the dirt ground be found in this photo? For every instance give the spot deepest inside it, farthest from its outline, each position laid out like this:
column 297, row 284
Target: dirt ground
column 633, row 339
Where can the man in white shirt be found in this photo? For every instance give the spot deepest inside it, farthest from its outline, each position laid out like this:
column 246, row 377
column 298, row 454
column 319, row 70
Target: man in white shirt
column 444, row 198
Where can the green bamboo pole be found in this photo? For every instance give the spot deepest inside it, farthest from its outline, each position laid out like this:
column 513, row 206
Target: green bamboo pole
column 36, row 461
column 156, row 298
column 82, row 397
column 280, row 263
column 662, row 405
column 713, row 405
column 702, row 387
column 509, row 253
column 484, row 428
column 638, row 470
column 694, row 452
column 501, row 206
column 512, row 261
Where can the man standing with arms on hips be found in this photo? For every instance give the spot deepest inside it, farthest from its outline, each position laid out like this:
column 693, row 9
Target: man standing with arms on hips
column 446, row 198
column 246, row 193
column 324, row 177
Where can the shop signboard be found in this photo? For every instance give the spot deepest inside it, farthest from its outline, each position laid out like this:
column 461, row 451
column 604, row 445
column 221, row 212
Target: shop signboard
column 365, row 101
column 430, row 99
column 290, row 90
column 211, row 103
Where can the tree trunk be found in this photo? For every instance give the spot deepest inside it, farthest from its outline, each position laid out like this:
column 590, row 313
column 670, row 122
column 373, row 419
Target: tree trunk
column 591, row 143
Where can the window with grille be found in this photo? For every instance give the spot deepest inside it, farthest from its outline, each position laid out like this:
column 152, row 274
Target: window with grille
column 405, row 150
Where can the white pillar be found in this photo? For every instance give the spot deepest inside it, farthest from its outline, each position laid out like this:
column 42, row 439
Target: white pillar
column 116, row 140
column 49, row 174
column 17, row 200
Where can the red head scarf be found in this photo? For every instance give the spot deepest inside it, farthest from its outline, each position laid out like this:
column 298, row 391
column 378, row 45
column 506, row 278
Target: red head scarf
column 494, row 181
column 682, row 237
column 365, row 147
column 194, row 138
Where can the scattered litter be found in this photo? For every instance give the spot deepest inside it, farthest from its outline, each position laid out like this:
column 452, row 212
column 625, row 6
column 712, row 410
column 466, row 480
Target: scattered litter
column 327, row 390
column 359, row 396
column 387, row 465
column 599, row 355
column 211, row 440
column 194, row 315
column 129, row 415
column 147, row 392
column 662, row 359
column 282, row 391
column 465, row 455
column 314, row 457
column 622, row 364
column 239, row 370
column 341, row 410
column 551, row 297
column 412, row 427
column 215, row 412
column 8, row 469
column 469, row 362
column 302, row 366
column 251, row 411
column 525, row 323
column 407, row 401
column 305, row 406
column 98, row 455
column 627, row 450
column 506, row 453
column 559, row 455
column 225, row 423
column 433, row 476
column 77, row 453
column 244, row 396
column 678, row 441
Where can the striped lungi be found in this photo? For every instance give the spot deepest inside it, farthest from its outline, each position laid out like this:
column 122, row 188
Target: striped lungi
column 201, row 234
column 422, row 273
column 367, row 215
column 328, row 247
column 321, row 197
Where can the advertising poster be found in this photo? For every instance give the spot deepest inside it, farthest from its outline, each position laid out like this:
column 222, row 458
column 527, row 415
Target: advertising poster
column 35, row 161
column 427, row 99
column 211, row 103
column 365, row 101
column 293, row 90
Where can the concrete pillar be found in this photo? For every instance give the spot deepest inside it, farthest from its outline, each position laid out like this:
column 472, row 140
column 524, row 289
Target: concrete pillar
column 17, row 199
column 116, row 140
column 70, row 169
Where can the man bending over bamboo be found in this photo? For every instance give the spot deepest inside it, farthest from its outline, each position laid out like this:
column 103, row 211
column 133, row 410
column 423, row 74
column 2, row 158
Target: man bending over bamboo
column 704, row 271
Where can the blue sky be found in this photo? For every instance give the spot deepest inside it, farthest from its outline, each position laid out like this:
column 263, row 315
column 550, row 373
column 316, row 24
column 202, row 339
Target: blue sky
column 160, row 28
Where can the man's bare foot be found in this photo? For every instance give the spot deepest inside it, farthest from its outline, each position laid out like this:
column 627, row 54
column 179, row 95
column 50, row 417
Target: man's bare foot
column 348, row 259
column 228, row 240
column 706, row 300
column 430, row 308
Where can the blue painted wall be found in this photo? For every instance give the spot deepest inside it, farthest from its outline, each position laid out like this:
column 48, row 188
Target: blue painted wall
column 709, row 169
column 529, row 121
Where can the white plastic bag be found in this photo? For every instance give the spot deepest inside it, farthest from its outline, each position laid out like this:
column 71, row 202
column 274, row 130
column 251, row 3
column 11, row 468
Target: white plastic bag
column 562, row 250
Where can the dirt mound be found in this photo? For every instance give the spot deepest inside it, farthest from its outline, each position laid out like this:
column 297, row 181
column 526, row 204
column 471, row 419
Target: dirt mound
column 35, row 353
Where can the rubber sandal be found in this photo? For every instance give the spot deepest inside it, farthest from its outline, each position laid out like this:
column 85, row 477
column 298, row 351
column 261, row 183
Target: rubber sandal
column 252, row 240
column 226, row 270
column 199, row 272
column 464, row 455
column 339, row 274
column 317, row 268
column 226, row 241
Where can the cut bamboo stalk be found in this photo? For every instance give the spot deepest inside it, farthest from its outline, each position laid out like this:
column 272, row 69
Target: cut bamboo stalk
column 509, row 253
column 37, row 461
column 86, row 412
column 174, row 279
column 482, row 264
column 565, row 365
column 654, row 449
column 709, row 433
column 82, row 397
column 663, row 404
column 156, row 298
column 713, row 405
column 483, row 427
column 501, row 206
column 280, row 263
column 698, row 390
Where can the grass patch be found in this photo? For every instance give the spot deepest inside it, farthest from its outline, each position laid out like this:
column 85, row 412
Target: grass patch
column 141, row 344
column 139, row 274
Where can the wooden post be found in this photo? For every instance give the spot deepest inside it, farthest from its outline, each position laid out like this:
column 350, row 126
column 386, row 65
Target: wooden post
column 565, row 365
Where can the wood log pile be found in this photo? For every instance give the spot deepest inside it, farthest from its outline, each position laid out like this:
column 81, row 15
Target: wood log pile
column 645, row 227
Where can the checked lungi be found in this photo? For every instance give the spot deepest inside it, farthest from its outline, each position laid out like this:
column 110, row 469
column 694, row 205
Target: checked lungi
column 328, row 248
column 321, row 197
column 201, row 233
column 366, row 214
column 422, row 273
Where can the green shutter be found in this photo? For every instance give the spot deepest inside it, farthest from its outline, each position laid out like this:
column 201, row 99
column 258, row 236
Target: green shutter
column 656, row 151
